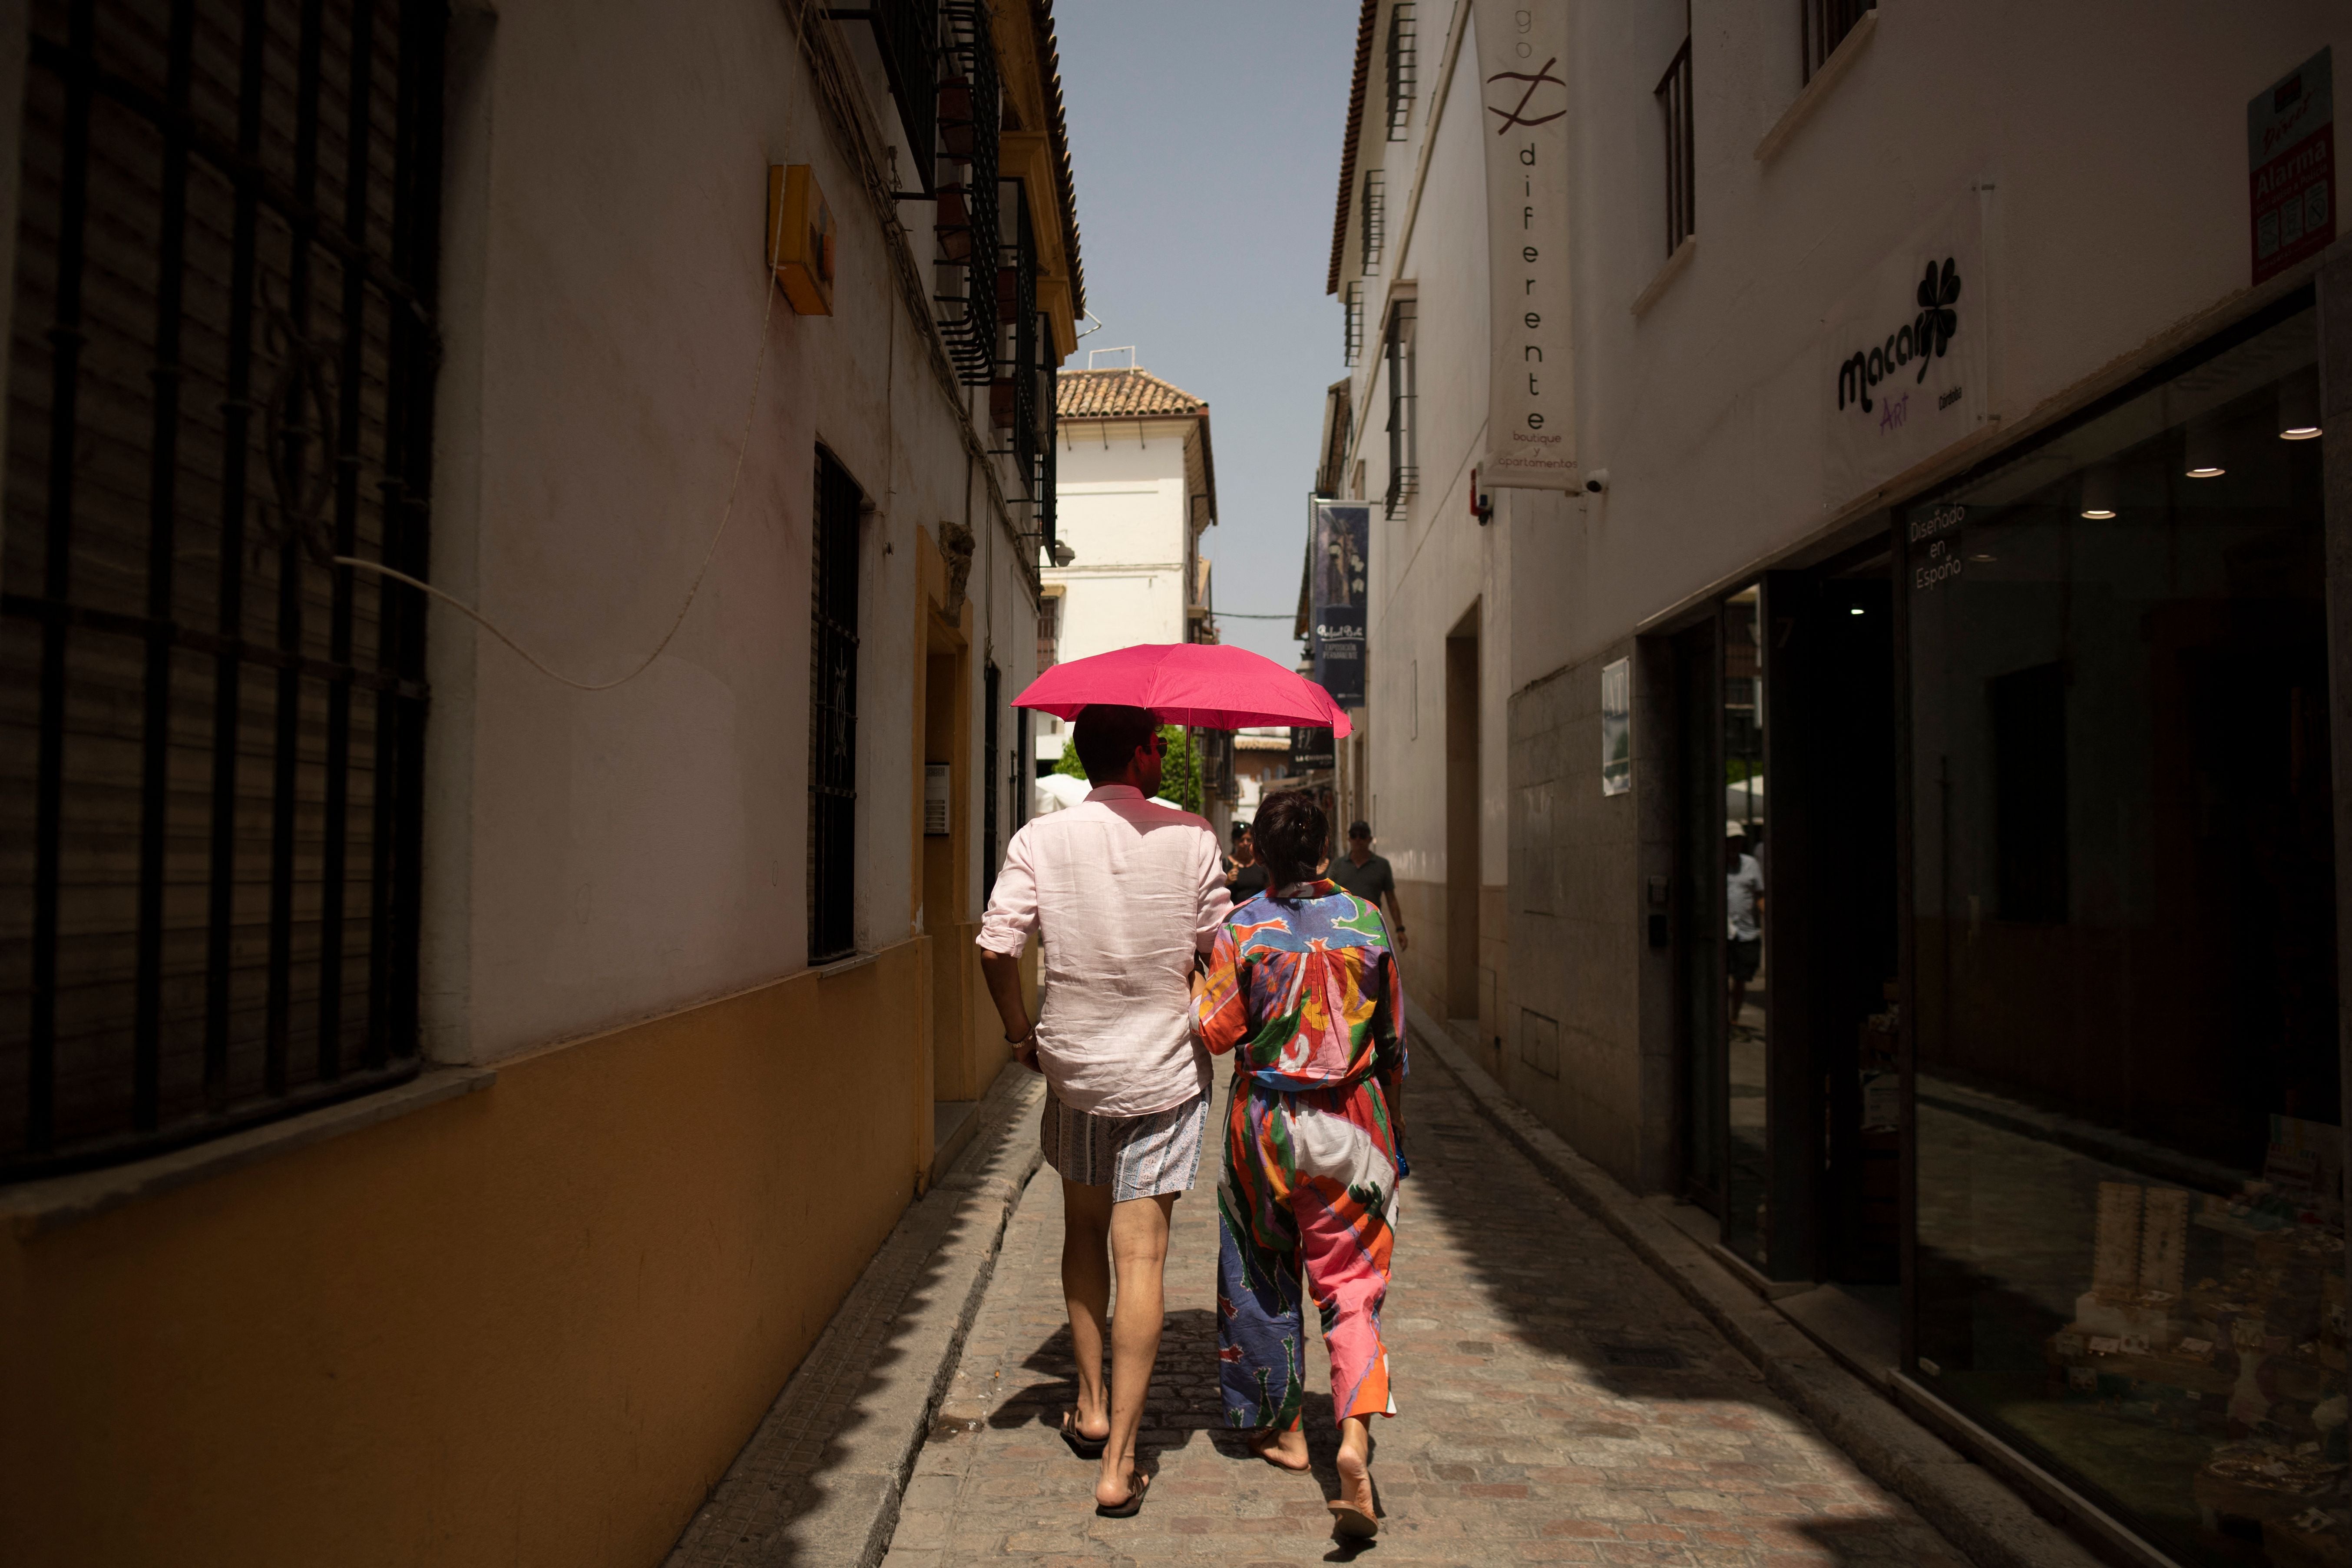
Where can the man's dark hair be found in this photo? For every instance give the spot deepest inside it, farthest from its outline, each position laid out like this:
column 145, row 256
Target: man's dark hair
column 1360, row 829
column 1108, row 736
column 1291, row 832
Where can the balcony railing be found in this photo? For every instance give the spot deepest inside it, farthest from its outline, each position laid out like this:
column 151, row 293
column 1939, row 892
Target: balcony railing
column 967, row 227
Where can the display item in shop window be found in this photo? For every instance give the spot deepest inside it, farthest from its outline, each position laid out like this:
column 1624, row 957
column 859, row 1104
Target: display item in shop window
column 2251, row 1357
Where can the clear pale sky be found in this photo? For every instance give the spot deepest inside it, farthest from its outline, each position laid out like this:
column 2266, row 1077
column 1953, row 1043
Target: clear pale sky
column 1204, row 140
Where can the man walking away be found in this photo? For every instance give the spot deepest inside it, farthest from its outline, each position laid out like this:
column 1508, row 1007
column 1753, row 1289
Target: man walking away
column 1367, row 876
column 1124, row 895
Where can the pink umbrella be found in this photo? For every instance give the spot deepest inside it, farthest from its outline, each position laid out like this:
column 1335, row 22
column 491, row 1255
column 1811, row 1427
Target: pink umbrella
column 1210, row 686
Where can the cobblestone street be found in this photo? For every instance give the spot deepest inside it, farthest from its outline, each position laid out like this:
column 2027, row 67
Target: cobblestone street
column 1518, row 1438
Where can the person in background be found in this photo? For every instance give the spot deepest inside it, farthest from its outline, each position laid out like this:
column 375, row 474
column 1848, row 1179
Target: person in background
column 1246, row 878
column 1744, row 902
column 1303, row 990
column 1367, row 876
column 1127, row 895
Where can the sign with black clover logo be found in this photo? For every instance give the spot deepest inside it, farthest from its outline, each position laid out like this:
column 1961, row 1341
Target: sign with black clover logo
column 1902, row 374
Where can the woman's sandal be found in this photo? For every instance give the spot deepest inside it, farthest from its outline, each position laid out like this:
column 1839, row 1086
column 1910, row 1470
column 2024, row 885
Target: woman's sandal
column 1353, row 1523
column 1137, row 1483
column 1083, row 1446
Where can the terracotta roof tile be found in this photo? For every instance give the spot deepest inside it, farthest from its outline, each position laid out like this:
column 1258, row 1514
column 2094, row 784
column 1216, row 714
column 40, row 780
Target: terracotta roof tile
column 1120, row 393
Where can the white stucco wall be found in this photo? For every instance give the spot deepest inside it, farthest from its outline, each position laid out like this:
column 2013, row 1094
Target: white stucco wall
column 599, row 856
column 1119, row 503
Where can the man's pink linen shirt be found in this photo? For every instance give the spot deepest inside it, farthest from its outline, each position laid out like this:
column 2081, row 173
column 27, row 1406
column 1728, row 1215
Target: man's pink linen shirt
column 1123, row 893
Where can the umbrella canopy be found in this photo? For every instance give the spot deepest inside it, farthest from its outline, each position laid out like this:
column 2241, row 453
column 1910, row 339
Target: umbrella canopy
column 1211, row 686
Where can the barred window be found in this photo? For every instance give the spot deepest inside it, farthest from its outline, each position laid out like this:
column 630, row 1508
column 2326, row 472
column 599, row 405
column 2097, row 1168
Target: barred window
column 832, row 715
column 1405, row 472
column 1402, row 74
column 1821, row 26
column 1355, row 323
column 1674, row 95
column 1375, row 222
column 210, row 731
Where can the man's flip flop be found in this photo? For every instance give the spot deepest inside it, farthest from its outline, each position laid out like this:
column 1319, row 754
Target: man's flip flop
column 1352, row 1523
column 1083, row 1446
column 1137, row 1483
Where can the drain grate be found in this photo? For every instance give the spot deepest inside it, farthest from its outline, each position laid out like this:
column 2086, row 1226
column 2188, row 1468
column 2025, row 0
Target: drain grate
column 1656, row 1357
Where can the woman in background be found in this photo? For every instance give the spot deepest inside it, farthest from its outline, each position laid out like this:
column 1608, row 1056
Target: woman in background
column 1303, row 989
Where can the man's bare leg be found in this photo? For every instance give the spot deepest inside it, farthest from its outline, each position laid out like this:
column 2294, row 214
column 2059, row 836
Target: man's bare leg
column 1086, row 1288
column 1139, row 1244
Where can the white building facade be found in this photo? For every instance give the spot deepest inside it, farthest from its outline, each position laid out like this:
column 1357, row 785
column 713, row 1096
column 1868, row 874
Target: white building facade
column 1134, row 488
column 1956, row 418
column 501, row 1023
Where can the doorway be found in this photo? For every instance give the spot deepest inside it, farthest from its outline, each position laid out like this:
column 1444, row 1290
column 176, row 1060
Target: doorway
column 1462, row 810
column 1787, row 935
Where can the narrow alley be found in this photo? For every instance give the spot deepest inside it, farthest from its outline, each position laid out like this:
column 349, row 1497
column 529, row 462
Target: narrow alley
column 1518, row 1438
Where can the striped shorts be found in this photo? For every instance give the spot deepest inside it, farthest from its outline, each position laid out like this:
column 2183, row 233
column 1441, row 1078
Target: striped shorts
column 1136, row 1156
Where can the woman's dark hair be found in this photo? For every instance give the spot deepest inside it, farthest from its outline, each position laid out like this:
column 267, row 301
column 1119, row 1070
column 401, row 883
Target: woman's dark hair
column 1292, row 833
column 1109, row 736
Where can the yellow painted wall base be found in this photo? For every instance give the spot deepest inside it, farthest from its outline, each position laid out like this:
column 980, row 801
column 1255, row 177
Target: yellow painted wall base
column 526, row 1326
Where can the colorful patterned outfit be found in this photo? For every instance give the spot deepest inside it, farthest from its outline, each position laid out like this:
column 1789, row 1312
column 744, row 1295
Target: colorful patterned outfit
column 1304, row 992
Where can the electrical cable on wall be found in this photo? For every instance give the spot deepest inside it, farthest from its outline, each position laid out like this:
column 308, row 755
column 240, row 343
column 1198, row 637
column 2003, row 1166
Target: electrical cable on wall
column 726, row 515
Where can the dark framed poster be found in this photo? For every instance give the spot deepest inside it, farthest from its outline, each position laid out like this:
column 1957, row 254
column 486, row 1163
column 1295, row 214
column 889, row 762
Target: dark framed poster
column 1336, row 577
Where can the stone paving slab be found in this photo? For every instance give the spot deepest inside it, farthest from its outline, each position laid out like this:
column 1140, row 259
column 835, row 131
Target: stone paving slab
column 820, row 1483
column 1992, row 1523
column 1517, row 1439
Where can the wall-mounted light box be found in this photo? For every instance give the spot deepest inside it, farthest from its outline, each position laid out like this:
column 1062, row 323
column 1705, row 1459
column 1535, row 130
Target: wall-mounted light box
column 801, row 238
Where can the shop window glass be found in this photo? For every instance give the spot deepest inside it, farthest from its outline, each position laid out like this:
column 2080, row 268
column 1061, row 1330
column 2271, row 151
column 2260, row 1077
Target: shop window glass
column 2129, row 1210
column 1746, row 1217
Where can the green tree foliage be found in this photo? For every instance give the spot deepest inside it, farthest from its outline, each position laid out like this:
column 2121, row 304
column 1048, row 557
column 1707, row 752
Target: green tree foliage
column 1180, row 775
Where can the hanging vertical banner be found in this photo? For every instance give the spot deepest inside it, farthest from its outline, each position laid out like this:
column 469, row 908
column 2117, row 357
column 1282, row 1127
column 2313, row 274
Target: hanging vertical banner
column 1335, row 595
column 1531, row 397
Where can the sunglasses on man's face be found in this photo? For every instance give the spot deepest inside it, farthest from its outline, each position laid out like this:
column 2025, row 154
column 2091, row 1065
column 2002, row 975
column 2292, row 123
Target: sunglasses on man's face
column 1158, row 744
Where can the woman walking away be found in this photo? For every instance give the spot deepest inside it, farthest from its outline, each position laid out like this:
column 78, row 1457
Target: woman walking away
column 1303, row 989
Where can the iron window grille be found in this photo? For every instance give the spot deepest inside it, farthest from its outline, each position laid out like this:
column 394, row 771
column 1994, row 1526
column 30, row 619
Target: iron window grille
column 1402, row 74
column 1018, row 767
column 1821, row 26
column 1013, row 399
column 906, row 34
column 1049, row 632
column 832, row 715
column 968, row 225
column 211, row 751
column 1355, row 321
column 1673, row 95
column 991, row 803
column 1404, row 474
column 1375, row 222
column 1049, row 396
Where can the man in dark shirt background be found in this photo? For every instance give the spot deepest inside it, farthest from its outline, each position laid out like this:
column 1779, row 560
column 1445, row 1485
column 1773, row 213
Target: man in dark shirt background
column 1368, row 877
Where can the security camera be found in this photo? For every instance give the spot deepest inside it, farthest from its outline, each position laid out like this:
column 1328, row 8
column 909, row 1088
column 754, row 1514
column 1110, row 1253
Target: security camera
column 1063, row 553
column 1597, row 480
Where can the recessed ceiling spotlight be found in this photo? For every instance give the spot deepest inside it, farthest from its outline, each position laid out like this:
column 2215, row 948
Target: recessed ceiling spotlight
column 2099, row 492
column 2204, row 443
column 2298, row 405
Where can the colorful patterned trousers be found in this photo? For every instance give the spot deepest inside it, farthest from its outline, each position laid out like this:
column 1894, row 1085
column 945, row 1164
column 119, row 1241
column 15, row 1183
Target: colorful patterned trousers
column 1309, row 1187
